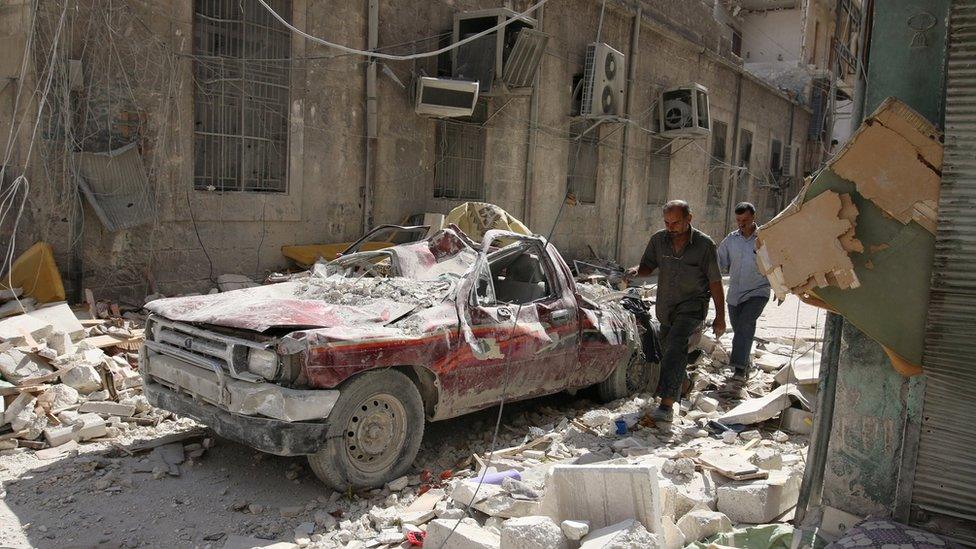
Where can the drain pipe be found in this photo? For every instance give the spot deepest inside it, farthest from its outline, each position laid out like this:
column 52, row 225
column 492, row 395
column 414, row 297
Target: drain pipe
column 530, row 146
column 811, row 488
column 735, row 153
column 624, row 149
column 372, row 38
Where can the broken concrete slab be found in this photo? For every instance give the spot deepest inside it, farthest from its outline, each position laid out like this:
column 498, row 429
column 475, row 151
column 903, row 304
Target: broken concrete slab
column 768, row 406
column 62, row 318
column 244, row 542
column 88, row 426
column 19, row 307
column 699, row 524
column 626, row 533
column 17, row 329
column 804, row 370
column 82, row 377
column 108, row 408
column 771, row 362
column 16, row 366
column 604, row 494
column 56, row 452
column 671, row 536
column 681, row 494
column 759, row 501
column 533, row 532
column 463, row 535
column 575, row 529
column 57, row 397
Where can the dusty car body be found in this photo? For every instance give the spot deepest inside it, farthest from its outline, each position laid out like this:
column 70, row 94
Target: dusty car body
column 342, row 364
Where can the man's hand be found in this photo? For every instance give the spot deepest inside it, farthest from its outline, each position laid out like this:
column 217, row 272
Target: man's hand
column 631, row 273
column 718, row 326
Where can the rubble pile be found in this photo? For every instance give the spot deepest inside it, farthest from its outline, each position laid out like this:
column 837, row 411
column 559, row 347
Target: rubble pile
column 356, row 291
column 568, row 479
column 67, row 378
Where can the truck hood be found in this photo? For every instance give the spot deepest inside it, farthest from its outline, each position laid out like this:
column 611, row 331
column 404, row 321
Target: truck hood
column 276, row 306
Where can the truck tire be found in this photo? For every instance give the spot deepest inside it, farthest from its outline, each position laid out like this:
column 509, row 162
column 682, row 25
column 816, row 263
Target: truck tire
column 629, row 377
column 374, row 433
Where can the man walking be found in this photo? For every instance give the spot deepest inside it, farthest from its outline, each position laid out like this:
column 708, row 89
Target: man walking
column 688, row 274
column 748, row 289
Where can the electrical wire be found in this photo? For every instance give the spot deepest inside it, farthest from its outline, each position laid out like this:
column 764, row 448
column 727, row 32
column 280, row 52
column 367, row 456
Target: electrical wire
column 378, row 55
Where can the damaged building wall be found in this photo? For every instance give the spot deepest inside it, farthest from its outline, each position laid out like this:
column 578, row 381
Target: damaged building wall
column 142, row 89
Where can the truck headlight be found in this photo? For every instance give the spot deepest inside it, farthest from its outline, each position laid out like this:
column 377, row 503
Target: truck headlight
column 263, row 362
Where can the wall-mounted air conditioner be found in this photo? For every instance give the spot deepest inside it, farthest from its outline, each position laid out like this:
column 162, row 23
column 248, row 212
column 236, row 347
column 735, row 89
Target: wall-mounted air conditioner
column 445, row 96
column 603, row 82
column 684, row 111
column 510, row 55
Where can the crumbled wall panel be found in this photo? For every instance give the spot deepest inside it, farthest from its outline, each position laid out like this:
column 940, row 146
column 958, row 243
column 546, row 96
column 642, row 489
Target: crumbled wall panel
column 802, row 250
column 895, row 160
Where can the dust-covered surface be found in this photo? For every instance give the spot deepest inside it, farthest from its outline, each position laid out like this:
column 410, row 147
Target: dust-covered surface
column 101, row 495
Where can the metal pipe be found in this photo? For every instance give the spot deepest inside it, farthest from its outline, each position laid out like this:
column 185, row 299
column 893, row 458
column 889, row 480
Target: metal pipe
column 812, row 487
column 369, row 183
column 530, row 145
column 735, row 152
column 628, row 107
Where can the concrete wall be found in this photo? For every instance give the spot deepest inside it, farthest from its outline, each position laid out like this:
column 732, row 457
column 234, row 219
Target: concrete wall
column 197, row 235
column 771, row 36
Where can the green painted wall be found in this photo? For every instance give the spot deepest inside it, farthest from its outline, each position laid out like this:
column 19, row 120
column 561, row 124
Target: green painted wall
column 873, row 402
column 913, row 74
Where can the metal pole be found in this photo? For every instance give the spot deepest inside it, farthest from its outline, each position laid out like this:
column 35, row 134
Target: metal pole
column 812, row 486
column 530, row 146
column 735, row 153
column 628, row 105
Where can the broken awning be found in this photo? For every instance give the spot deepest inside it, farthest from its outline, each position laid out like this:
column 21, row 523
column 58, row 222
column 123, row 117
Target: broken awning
column 860, row 236
column 116, row 187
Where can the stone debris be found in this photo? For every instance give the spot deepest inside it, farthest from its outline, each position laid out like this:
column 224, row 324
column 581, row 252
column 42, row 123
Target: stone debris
column 699, row 524
column 534, row 532
column 626, row 534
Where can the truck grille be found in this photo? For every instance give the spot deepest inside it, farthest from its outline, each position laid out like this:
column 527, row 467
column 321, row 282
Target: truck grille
column 213, row 351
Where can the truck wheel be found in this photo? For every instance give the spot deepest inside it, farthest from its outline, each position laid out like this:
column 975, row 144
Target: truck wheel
column 374, row 432
column 628, row 378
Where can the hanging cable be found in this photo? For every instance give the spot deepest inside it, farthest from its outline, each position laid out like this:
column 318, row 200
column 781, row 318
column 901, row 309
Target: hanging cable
column 378, row 55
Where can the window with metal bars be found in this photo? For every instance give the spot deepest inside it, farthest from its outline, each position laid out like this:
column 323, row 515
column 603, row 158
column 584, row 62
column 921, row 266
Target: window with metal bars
column 659, row 180
column 584, row 158
column 459, row 156
column 240, row 96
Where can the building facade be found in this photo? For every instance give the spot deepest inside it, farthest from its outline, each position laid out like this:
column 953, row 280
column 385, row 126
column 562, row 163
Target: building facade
column 252, row 137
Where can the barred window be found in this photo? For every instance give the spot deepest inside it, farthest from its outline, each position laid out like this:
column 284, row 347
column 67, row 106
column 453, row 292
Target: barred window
column 715, row 194
column 659, row 178
column 240, row 96
column 459, row 156
column 584, row 158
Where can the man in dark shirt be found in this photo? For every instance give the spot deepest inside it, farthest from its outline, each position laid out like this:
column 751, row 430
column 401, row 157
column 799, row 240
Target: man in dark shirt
column 688, row 274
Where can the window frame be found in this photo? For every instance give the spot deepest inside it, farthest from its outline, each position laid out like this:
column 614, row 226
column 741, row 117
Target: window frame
column 591, row 141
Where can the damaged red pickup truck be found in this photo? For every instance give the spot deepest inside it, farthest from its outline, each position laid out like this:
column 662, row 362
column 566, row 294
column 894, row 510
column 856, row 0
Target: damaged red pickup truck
column 345, row 363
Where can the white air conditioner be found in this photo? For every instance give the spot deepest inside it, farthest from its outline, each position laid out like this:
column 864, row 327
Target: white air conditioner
column 445, row 97
column 603, row 82
column 684, row 112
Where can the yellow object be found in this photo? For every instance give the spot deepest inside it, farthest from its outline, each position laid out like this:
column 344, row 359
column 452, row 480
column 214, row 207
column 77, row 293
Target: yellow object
column 306, row 255
column 476, row 218
column 36, row 272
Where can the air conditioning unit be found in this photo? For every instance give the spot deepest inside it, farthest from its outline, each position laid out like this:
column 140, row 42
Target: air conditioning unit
column 445, row 97
column 603, row 82
column 684, row 112
column 510, row 55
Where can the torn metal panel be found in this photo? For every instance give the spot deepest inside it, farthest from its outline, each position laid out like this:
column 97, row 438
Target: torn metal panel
column 803, row 249
column 116, row 187
column 895, row 160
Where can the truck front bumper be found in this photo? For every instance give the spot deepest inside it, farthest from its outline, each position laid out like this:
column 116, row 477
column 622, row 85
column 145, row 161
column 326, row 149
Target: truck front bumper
column 266, row 416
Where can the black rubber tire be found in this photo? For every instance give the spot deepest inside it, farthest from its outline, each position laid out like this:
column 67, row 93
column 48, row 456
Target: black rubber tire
column 333, row 465
column 616, row 385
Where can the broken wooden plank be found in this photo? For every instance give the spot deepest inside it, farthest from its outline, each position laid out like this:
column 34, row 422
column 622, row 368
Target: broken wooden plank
column 110, row 340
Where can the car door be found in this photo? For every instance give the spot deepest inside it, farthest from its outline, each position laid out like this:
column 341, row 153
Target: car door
column 520, row 327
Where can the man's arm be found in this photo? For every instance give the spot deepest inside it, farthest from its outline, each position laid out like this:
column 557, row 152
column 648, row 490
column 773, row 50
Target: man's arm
column 647, row 263
column 717, row 291
column 724, row 258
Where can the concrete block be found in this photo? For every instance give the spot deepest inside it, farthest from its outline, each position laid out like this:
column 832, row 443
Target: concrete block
column 768, row 406
column 759, row 502
column 798, row 421
column 575, row 529
column 681, row 494
column 706, row 404
column 58, row 397
column 671, row 536
column 699, row 524
column 108, row 408
column 604, row 494
column 62, row 318
column 626, row 533
column 56, row 436
column 535, row 532
column 767, row 458
column 804, row 370
column 82, row 377
column 16, row 329
column 465, row 536
column 92, row 426
column 17, row 407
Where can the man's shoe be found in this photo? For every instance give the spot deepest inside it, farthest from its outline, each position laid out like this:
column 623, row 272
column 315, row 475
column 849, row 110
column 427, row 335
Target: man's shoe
column 740, row 375
column 663, row 414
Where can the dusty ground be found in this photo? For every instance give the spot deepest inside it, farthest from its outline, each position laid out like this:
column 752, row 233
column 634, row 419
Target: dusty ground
column 99, row 497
